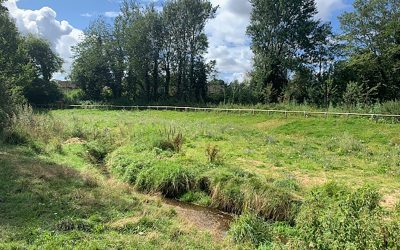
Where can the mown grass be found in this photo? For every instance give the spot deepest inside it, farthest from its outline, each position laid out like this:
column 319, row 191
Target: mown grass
column 264, row 168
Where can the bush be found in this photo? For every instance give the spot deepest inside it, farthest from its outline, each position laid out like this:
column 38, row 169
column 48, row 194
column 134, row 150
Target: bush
column 345, row 145
column 42, row 92
column 391, row 107
column 333, row 217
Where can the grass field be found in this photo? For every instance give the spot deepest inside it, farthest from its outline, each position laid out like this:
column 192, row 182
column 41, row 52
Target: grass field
column 94, row 179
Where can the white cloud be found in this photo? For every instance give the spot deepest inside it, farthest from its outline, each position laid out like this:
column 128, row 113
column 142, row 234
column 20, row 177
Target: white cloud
column 230, row 45
column 86, row 15
column 112, row 14
column 327, row 8
column 61, row 35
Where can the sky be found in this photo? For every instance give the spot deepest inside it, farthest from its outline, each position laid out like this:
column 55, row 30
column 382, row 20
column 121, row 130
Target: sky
column 63, row 24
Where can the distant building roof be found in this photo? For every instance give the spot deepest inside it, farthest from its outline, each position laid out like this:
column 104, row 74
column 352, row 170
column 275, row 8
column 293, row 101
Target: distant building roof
column 67, row 85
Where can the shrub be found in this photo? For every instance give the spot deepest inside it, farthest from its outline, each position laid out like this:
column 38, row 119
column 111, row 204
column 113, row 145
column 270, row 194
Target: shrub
column 249, row 228
column 287, row 184
column 170, row 179
column 42, row 92
column 391, row 107
column 333, row 217
column 104, row 142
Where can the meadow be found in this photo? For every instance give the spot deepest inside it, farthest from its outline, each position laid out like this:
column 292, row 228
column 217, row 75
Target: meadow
column 94, row 179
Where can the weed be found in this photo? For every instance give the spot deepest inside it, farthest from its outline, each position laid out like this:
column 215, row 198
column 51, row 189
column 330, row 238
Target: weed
column 173, row 141
column 213, row 154
column 333, row 217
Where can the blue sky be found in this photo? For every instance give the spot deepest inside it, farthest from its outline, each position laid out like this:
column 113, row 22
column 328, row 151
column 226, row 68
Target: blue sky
column 62, row 23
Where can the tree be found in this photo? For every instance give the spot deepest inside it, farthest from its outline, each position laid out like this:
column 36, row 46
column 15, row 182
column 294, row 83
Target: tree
column 371, row 35
column 91, row 67
column 283, row 34
column 45, row 60
column 15, row 68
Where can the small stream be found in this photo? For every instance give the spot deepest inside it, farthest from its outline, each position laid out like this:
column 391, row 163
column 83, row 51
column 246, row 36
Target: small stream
column 209, row 219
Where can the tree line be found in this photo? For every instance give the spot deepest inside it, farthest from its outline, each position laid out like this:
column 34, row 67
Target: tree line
column 147, row 54
column 150, row 54
column 27, row 64
column 298, row 58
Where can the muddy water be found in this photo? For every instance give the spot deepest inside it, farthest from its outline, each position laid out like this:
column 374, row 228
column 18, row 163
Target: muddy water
column 204, row 218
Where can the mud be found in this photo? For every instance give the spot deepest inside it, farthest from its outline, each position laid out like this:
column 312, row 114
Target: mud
column 204, row 218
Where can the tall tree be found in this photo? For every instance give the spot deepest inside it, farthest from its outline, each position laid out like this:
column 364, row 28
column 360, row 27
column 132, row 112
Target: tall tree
column 282, row 33
column 91, row 68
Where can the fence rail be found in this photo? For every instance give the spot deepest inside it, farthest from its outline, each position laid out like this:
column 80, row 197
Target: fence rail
column 253, row 111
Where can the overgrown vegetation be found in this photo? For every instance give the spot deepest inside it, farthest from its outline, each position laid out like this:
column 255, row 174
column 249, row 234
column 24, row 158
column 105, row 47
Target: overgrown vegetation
column 270, row 176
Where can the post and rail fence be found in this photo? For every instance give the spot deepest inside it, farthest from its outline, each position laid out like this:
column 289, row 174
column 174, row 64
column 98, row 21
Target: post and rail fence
column 286, row 113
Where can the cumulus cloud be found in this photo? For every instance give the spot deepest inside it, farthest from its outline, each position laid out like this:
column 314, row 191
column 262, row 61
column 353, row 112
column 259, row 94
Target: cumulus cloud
column 43, row 22
column 229, row 44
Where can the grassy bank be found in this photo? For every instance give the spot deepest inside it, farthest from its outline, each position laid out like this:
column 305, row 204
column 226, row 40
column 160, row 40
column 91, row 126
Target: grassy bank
column 281, row 176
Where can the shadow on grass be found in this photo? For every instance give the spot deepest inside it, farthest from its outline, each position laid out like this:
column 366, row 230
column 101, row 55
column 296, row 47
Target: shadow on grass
column 38, row 195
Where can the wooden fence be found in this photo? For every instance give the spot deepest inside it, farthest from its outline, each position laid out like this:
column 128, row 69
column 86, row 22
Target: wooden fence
column 286, row 113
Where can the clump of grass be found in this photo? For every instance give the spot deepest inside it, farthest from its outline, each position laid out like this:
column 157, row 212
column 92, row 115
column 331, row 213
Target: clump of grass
column 287, row 184
column 345, row 145
column 213, row 154
column 271, row 140
column 173, row 140
column 70, row 224
column 236, row 191
column 196, row 197
column 126, row 162
column 168, row 178
column 249, row 228
column 395, row 141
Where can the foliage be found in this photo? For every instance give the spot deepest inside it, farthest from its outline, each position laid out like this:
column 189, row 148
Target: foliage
column 148, row 54
column 334, row 217
column 41, row 91
column 370, row 32
column 45, row 61
column 280, row 31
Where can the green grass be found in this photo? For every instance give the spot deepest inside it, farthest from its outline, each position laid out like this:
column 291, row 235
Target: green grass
column 266, row 169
